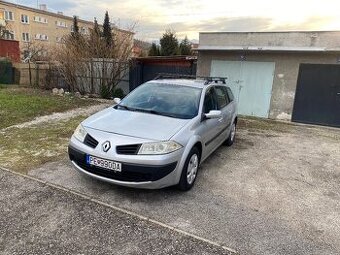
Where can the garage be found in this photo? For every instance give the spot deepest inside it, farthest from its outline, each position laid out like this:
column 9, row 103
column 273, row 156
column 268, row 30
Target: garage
column 251, row 83
column 317, row 97
column 289, row 75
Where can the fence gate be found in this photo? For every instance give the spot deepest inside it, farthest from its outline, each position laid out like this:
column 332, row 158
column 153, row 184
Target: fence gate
column 143, row 71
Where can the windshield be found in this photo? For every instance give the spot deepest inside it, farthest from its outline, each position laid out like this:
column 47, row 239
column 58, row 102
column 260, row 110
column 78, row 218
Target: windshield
column 163, row 99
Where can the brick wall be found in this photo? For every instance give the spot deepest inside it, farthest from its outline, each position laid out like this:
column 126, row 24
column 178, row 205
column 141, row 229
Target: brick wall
column 10, row 49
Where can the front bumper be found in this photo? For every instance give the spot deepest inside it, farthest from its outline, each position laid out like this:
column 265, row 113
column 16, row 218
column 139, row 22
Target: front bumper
column 130, row 172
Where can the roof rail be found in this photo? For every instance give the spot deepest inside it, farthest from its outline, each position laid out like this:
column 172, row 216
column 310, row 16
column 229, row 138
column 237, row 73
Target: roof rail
column 174, row 76
column 213, row 79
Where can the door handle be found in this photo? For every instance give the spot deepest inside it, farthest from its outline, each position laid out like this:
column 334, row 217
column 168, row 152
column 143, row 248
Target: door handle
column 220, row 119
column 338, row 93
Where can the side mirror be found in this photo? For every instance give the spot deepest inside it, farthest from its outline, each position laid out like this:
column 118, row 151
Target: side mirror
column 116, row 100
column 213, row 114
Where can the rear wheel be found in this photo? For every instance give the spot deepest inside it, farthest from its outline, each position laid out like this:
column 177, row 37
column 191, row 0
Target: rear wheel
column 231, row 138
column 190, row 169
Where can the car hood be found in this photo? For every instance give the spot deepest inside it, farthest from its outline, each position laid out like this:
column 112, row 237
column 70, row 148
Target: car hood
column 135, row 124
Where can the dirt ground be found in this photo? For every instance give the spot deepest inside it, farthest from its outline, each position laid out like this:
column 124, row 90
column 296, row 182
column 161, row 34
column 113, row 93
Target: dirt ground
column 275, row 191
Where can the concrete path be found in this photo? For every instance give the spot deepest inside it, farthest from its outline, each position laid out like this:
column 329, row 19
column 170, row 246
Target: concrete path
column 58, row 116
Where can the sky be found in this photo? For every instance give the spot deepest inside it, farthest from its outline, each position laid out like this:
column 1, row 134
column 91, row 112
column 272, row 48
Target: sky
column 150, row 18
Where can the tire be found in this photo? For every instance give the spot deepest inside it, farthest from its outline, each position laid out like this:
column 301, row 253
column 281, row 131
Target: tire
column 191, row 164
column 231, row 138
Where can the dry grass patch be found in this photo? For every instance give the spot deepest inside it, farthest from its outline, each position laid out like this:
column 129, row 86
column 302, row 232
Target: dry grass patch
column 18, row 105
column 22, row 149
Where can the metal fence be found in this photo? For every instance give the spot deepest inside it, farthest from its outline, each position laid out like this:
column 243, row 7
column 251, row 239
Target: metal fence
column 91, row 75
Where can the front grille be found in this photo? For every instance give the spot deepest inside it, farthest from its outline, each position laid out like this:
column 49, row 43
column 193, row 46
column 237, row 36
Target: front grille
column 131, row 149
column 90, row 141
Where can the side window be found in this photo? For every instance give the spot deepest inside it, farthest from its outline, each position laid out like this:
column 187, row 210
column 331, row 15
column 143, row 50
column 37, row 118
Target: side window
column 209, row 101
column 230, row 94
column 225, row 90
column 221, row 96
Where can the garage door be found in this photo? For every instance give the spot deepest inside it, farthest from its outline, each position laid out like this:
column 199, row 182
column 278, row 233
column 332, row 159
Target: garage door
column 251, row 83
column 317, row 98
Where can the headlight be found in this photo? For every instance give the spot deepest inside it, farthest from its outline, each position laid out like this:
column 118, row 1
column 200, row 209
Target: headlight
column 80, row 133
column 159, row 148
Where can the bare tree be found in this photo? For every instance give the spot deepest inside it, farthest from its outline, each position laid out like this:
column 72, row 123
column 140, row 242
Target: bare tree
column 85, row 59
column 4, row 29
column 32, row 52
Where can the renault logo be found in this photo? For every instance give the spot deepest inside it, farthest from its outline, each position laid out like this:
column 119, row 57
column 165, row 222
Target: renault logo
column 106, row 146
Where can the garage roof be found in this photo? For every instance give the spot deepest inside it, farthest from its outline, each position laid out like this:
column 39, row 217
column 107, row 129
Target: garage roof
column 267, row 48
column 292, row 41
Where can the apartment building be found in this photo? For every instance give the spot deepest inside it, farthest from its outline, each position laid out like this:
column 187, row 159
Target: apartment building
column 40, row 26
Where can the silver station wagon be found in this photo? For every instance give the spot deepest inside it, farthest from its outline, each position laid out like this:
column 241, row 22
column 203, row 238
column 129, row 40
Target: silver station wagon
column 158, row 135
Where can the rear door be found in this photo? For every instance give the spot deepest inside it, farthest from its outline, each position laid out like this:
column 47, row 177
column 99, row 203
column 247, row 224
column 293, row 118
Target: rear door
column 225, row 107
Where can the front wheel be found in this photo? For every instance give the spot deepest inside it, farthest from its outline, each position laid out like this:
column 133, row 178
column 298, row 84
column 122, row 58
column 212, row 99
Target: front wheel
column 231, row 138
column 190, row 169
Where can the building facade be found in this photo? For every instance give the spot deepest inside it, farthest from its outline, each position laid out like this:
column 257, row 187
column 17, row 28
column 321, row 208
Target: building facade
column 278, row 75
column 40, row 26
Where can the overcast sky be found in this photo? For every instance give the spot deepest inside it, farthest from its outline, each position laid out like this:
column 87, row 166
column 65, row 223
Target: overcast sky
column 192, row 16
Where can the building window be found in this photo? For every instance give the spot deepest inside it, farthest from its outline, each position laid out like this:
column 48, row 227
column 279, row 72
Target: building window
column 26, row 37
column 41, row 37
column 58, row 39
column 61, row 23
column 9, row 15
column 9, row 35
column 40, row 19
column 84, row 30
column 25, row 19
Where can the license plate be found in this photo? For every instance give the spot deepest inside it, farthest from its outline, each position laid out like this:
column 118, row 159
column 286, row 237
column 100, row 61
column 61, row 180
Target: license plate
column 104, row 163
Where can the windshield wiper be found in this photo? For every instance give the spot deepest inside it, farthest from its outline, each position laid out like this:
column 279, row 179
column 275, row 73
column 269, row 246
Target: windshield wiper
column 146, row 111
column 125, row 107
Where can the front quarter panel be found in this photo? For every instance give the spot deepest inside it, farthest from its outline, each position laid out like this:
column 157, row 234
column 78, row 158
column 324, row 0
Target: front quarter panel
column 187, row 137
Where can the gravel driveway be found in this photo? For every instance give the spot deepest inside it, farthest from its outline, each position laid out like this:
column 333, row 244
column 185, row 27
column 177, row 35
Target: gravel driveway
column 276, row 191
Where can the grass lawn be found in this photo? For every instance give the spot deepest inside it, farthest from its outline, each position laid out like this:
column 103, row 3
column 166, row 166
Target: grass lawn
column 18, row 105
column 35, row 145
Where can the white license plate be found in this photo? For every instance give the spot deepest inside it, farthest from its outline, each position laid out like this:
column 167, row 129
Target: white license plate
column 104, row 163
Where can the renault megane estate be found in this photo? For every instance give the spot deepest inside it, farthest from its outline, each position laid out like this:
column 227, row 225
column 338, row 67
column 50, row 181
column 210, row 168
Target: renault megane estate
column 158, row 135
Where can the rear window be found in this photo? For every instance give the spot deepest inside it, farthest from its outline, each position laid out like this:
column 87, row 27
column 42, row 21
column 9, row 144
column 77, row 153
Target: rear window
column 221, row 97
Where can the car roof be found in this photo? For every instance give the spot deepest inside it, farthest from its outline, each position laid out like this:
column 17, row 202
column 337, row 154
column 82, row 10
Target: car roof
column 198, row 83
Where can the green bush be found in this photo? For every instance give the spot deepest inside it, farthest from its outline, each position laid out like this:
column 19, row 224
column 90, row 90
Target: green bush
column 118, row 93
column 6, row 72
column 105, row 92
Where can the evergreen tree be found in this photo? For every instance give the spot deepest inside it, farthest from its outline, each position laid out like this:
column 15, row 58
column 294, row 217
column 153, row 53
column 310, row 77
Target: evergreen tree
column 96, row 28
column 107, row 31
column 95, row 41
column 169, row 43
column 75, row 31
column 154, row 50
column 185, row 47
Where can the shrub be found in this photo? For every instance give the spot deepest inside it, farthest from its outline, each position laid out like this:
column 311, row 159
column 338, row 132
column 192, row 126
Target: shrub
column 118, row 92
